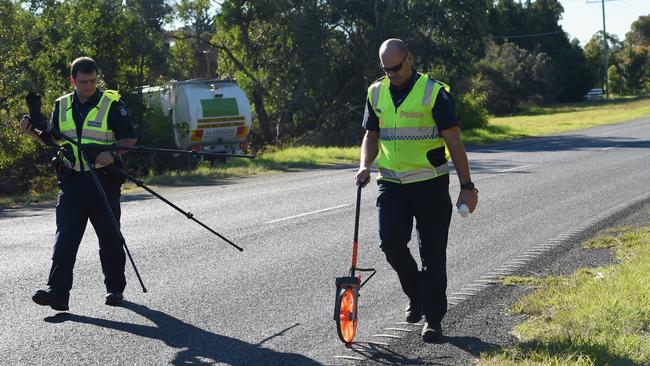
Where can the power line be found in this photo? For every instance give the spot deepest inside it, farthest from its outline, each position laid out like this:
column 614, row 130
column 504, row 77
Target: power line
column 530, row 35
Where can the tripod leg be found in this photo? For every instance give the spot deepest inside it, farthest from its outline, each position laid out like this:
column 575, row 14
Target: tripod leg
column 189, row 215
column 112, row 217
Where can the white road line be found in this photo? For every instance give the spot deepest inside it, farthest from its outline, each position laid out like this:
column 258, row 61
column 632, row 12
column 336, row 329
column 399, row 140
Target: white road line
column 399, row 329
column 513, row 169
column 308, row 213
column 349, row 358
column 387, row 336
column 607, row 148
column 407, row 323
column 375, row 343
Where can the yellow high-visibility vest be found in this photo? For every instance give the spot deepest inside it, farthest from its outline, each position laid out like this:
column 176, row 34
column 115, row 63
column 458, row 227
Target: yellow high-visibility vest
column 95, row 128
column 408, row 132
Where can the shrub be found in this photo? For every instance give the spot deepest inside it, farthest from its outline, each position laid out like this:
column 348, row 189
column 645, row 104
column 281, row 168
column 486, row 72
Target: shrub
column 470, row 110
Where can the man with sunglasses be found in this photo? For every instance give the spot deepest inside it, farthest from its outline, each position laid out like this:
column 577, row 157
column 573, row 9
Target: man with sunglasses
column 412, row 128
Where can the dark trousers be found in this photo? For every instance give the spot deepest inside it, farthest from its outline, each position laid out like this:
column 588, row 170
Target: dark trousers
column 78, row 202
column 430, row 204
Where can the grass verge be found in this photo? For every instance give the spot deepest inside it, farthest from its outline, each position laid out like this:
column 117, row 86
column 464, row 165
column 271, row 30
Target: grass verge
column 289, row 159
column 538, row 121
column 597, row 316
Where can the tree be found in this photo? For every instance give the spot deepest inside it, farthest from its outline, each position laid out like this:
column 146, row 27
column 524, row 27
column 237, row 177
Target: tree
column 534, row 26
column 276, row 51
column 615, row 80
column 510, row 76
column 14, row 81
column 639, row 35
column 194, row 55
column 634, row 65
column 593, row 51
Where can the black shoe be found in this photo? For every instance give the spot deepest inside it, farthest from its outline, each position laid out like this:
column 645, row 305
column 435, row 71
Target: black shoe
column 431, row 333
column 413, row 312
column 48, row 298
column 114, row 298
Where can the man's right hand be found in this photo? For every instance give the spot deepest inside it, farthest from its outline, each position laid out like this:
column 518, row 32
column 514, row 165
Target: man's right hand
column 26, row 128
column 363, row 176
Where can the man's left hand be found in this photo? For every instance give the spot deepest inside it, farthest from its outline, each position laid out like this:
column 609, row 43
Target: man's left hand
column 468, row 197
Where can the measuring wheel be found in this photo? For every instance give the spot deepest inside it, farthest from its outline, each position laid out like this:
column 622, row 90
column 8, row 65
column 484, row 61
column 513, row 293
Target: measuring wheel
column 346, row 306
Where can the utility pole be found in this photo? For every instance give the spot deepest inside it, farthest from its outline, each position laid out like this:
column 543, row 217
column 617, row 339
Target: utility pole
column 605, row 49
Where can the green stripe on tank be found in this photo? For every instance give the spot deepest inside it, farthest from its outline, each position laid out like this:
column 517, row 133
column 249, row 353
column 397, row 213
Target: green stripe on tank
column 219, row 107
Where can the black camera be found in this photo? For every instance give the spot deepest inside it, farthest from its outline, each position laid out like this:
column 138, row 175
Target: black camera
column 36, row 118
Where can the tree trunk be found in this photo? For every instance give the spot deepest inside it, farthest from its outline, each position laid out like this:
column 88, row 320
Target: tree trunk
column 262, row 117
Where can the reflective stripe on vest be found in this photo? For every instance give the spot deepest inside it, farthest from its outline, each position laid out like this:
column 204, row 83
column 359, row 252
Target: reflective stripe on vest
column 414, row 175
column 374, row 94
column 95, row 127
column 407, row 133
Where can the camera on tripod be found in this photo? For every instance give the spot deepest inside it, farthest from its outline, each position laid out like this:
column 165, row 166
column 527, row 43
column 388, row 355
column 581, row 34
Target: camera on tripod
column 63, row 160
column 36, row 118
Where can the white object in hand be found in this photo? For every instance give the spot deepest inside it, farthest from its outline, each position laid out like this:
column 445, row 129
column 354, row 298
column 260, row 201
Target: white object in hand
column 463, row 210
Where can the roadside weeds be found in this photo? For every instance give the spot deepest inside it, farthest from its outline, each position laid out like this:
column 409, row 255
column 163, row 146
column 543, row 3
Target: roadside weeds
column 595, row 316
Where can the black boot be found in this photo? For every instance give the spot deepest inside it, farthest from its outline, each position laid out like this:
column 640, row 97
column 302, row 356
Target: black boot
column 413, row 312
column 114, row 298
column 431, row 332
column 49, row 298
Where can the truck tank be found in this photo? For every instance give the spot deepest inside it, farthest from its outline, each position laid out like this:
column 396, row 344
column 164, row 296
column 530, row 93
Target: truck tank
column 205, row 115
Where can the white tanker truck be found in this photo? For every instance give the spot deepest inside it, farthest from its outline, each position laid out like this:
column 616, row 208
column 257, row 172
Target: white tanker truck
column 201, row 114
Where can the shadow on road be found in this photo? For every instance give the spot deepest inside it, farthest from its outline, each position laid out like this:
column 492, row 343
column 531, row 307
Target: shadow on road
column 383, row 355
column 199, row 346
column 565, row 142
column 378, row 353
column 471, row 345
column 535, row 145
column 48, row 206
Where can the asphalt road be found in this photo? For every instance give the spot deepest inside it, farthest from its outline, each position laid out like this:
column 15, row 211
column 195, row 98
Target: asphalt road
column 273, row 303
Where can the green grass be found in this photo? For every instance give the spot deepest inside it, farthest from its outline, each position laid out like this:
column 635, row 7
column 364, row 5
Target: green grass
column 596, row 316
column 45, row 195
column 18, row 199
column 539, row 121
column 288, row 159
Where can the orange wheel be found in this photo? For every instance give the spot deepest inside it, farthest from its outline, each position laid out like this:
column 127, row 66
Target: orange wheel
column 347, row 319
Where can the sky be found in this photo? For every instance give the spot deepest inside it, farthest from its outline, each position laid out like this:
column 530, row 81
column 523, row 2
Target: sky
column 582, row 20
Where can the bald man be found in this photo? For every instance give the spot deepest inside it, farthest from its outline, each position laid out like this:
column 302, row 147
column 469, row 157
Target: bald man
column 412, row 131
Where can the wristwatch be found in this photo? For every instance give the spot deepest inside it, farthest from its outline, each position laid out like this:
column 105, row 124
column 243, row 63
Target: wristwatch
column 115, row 154
column 469, row 186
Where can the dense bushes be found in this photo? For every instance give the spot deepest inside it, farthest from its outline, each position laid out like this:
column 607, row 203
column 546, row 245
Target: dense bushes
column 510, row 76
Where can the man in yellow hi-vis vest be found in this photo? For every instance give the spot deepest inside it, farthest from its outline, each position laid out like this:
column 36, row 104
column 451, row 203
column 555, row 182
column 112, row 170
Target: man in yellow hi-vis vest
column 90, row 116
column 412, row 128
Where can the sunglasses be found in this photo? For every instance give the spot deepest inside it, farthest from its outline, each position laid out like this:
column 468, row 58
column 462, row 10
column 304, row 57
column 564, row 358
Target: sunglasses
column 395, row 68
